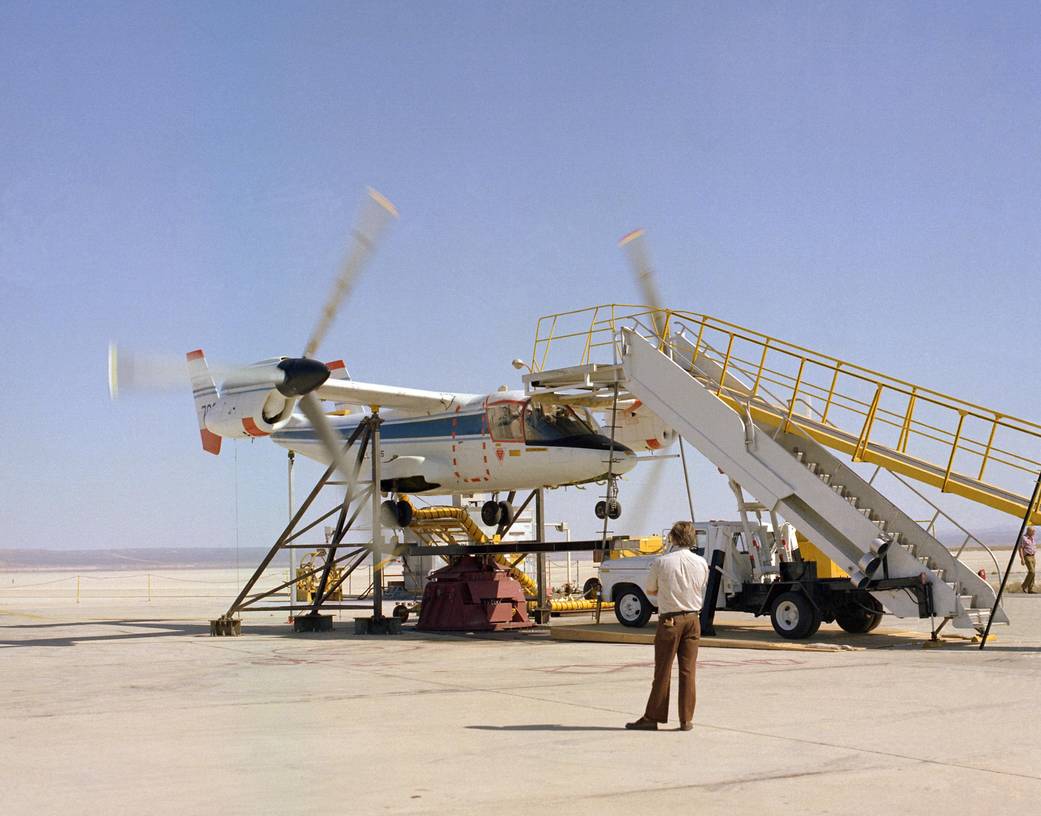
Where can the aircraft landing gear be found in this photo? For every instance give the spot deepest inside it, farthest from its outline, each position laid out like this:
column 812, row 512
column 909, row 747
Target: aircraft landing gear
column 611, row 507
column 396, row 513
column 495, row 514
column 612, row 510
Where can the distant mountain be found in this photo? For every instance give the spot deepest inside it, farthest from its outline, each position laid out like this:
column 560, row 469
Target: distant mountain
column 138, row 558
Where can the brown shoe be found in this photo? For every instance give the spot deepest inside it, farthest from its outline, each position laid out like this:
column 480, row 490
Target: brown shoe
column 643, row 724
column 687, row 726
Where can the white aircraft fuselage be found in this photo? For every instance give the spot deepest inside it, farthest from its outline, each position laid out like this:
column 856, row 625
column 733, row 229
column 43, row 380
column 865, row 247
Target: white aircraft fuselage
column 482, row 443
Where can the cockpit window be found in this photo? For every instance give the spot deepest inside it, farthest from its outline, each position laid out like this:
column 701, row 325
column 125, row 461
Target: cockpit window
column 505, row 422
column 545, row 422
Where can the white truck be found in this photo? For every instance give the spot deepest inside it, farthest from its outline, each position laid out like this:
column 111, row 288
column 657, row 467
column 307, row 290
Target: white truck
column 761, row 575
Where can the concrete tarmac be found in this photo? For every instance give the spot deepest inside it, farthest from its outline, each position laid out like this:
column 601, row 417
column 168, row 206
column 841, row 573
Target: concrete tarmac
column 123, row 706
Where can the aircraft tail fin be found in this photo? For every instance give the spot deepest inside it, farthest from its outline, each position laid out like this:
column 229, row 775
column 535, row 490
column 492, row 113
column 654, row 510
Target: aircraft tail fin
column 204, row 389
column 338, row 371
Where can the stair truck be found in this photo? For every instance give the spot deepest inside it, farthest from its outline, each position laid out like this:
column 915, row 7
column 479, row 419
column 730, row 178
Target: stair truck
column 759, row 577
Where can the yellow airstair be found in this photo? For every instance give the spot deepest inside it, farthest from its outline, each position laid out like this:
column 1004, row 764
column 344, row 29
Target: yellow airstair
column 960, row 447
column 766, row 412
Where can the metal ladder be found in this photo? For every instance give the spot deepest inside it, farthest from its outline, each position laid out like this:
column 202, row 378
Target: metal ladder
column 794, row 475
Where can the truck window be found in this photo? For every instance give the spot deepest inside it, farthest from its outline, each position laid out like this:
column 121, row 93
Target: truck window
column 700, row 542
column 739, row 543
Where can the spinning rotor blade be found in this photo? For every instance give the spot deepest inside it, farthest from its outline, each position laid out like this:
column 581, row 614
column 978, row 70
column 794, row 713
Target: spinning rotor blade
column 331, row 441
column 654, row 470
column 333, row 444
column 130, row 371
column 376, row 213
column 634, row 246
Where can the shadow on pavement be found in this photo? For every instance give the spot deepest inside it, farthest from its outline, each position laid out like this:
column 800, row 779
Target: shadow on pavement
column 546, row 727
column 153, row 629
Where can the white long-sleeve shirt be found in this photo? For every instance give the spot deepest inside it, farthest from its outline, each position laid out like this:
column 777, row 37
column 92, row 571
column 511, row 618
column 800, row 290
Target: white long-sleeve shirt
column 678, row 579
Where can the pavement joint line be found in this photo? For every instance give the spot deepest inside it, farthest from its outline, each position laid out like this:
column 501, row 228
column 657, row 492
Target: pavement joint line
column 748, row 732
column 730, row 784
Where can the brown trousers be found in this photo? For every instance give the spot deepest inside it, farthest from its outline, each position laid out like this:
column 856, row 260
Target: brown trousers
column 680, row 636
column 1028, row 582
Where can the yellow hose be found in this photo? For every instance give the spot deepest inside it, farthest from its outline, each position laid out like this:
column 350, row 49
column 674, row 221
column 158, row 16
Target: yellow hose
column 477, row 534
column 578, row 606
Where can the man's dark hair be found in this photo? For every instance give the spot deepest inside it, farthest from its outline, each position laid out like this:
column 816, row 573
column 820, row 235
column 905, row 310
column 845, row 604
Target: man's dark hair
column 682, row 535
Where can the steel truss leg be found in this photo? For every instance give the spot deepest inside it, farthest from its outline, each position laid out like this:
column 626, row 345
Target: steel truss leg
column 244, row 601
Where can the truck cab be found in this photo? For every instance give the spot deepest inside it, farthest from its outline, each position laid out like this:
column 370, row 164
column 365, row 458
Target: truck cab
column 751, row 557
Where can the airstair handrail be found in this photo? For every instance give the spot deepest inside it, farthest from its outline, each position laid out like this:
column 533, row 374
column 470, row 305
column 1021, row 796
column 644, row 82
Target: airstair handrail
column 922, row 432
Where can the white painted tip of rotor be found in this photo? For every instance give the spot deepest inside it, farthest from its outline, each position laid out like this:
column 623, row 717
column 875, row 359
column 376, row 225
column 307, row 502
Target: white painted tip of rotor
column 383, row 201
column 628, row 238
column 113, row 371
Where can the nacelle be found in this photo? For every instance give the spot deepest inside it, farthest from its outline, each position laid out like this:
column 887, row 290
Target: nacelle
column 640, row 430
column 256, row 412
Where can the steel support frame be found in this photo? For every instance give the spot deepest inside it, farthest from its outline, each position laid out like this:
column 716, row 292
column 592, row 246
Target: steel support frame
column 365, row 436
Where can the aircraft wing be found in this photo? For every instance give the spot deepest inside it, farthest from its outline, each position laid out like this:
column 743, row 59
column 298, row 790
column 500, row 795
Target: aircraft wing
column 595, row 402
column 385, row 396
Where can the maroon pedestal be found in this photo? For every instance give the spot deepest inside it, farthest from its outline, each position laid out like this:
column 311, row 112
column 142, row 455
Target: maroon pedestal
column 474, row 594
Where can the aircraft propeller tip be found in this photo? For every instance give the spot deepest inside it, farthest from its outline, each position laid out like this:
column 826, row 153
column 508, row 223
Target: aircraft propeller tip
column 631, row 236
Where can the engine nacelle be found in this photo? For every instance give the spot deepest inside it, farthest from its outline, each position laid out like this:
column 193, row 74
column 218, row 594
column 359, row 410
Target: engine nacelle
column 252, row 413
column 640, row 430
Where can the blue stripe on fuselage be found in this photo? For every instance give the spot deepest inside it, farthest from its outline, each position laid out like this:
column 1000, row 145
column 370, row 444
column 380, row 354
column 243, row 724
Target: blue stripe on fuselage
column 436, row 427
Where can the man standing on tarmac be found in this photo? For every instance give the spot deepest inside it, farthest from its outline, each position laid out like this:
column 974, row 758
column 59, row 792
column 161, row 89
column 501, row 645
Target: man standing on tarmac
column 1027, row 554
column 678, row 579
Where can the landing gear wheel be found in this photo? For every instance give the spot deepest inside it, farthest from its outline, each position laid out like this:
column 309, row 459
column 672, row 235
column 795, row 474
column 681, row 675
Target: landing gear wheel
column 403, row 511
column 614, row 509
column 401, row 612
column 631, row 607
column 505, row 512
column 794, row 617
column 601, row 509
column 389, row 513
column 490, row 514
column 591, row 589
column 863, row 614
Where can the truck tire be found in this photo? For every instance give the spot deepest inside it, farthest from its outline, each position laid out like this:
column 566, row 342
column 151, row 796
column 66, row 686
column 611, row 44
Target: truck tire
column 794, row 617
column 862, row 615
column 631, row 606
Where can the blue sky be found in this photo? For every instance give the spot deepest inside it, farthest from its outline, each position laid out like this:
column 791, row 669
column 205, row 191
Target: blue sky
column 859, row 178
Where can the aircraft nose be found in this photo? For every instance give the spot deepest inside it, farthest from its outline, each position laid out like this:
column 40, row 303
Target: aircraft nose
column 624, row 459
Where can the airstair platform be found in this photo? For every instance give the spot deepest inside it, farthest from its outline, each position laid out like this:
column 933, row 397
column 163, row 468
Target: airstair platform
column 780, row 419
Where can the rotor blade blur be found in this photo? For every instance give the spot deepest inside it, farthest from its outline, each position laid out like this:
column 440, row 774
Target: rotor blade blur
column 331, row 441
column 642, row 498
column 134, row 371
column 376, row 213
column 634, row 245
column 334, row 445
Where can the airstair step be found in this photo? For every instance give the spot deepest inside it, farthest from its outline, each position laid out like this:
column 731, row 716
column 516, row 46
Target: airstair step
column 825, row 477
column 978, row 616
column 881, row 525
column 966, row 601
column 798, row 454
column 839, row 489
column 811, row 467
column 866, row 512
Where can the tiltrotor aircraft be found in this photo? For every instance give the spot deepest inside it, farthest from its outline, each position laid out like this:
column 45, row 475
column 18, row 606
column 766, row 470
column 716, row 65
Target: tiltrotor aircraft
column 431, row 442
